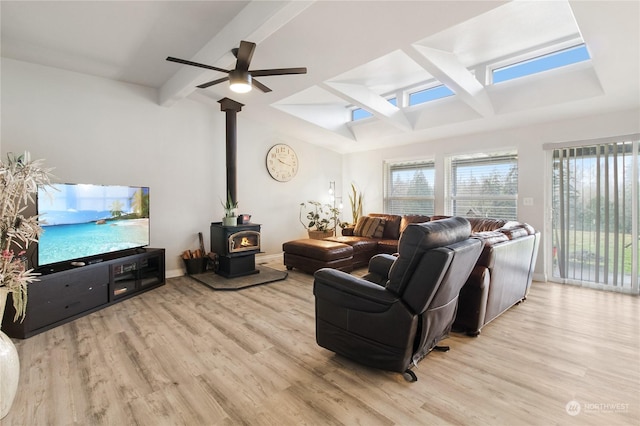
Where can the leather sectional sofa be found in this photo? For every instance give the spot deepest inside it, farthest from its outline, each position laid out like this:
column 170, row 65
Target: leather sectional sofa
column 364, row 248
column 500, row 279
column 502, row 275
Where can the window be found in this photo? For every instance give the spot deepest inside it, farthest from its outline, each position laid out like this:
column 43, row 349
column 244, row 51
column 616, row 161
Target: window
column 430, row 94
column 541, row 63
column 409, row 188
column 595, row 197
column 359, row 114
column 484, row 186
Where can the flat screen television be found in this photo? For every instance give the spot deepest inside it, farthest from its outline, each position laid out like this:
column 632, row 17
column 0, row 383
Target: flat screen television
column 82, row 222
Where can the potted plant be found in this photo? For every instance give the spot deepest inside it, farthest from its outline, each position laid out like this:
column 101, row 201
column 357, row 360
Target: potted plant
column 230, row 218
column 356, row 204
column 20, row 178
column 322, row 219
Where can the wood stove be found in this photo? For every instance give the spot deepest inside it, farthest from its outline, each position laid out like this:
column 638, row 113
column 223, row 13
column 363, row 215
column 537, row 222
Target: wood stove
column 236, row 247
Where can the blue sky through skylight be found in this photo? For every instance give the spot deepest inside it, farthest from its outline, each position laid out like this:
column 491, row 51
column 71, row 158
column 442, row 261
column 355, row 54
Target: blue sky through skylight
column 542, row 63
column 430, row 94
column 359, row 114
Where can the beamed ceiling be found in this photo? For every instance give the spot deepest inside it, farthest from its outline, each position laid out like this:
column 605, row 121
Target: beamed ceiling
column 357, row 54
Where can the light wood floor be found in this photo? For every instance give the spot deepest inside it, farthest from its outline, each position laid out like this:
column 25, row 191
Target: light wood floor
column 184, row 354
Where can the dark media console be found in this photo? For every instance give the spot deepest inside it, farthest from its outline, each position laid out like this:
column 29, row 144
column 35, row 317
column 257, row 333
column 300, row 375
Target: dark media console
column 65, row 292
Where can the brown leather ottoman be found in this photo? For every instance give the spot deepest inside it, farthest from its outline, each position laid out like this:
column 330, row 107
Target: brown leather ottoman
column 310, row 255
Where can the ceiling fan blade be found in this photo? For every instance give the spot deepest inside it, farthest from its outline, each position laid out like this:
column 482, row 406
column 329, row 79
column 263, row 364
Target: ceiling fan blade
column 211, row 83
column 195, row 64
column 278, row 71
column 245, row 53
column 260, row 86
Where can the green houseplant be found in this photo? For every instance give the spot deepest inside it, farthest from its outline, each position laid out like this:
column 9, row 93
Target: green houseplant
column 321, row 219
column 355, row 200
column 230, row 218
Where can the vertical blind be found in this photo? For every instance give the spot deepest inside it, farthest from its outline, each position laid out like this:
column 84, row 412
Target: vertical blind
column 409, row 188
column 484, row 186
column 595, row 215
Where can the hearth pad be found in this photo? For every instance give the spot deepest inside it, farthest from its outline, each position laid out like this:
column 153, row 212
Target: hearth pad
column 217, row 282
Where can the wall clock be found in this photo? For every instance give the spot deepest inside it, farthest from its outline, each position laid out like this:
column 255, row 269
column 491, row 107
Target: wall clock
column 282, row 162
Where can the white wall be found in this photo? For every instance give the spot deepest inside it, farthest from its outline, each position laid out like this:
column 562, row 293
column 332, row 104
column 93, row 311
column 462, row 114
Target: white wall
column 366, row 169
column 94, row 130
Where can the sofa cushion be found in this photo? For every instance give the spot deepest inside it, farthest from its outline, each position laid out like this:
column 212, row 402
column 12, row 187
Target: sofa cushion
column 513, row 233
column 359, row 244
column 412, row 218
column 392, row 225
column 512, row 224
column 481, row 224
column 369, row 227
column 387, row 246
column 489, row 238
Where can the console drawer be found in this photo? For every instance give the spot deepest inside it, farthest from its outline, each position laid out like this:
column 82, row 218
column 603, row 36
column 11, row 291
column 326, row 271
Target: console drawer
column 67, row 284
column 56, row 309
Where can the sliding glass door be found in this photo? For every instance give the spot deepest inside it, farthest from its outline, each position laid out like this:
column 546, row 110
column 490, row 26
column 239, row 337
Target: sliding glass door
column 595, row 199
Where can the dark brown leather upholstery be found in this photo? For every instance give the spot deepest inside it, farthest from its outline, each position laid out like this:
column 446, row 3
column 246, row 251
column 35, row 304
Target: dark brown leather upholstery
column 503, row 274
column 363, row 248
column 309, row 255
column 412, row 218
column 392, row 225
column 394, row 325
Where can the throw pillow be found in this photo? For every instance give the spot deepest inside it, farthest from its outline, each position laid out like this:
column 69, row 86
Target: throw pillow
column 380, row 229
column 367, row 226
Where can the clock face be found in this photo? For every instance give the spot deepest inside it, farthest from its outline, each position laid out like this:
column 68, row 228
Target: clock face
column 282, row 162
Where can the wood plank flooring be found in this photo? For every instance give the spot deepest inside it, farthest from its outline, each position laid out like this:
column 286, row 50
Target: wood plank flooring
column 185, row 354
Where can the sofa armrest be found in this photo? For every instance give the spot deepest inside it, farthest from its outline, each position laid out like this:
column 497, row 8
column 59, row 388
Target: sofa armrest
column 348, row 231
column 347, row 291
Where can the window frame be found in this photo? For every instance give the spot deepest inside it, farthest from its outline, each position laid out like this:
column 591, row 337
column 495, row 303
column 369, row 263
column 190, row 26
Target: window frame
column 430, row 200
column 481, row 158
column 432, row 87
column 534, row 56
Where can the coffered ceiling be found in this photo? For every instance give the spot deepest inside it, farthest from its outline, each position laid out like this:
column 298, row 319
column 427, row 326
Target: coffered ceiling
column 357, row 53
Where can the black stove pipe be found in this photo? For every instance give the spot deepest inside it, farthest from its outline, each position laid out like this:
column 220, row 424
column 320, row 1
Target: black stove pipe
column 231, row 108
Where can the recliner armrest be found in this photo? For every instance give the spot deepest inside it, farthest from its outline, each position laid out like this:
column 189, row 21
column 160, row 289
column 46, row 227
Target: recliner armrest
column 351, row 292
column 379, row 267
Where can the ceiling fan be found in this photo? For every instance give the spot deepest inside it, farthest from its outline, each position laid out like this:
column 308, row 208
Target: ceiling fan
column 241, row 78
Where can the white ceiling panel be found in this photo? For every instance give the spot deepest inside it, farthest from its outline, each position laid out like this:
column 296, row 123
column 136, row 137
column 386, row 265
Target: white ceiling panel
column 355, row 51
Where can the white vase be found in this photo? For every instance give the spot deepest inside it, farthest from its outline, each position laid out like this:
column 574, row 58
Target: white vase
column 9, row 364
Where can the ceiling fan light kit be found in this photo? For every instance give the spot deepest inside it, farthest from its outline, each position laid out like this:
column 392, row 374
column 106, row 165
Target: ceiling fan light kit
column 240, row 80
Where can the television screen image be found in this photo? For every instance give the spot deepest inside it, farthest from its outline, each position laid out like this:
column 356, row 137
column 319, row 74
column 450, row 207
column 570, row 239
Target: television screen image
column 80, row 221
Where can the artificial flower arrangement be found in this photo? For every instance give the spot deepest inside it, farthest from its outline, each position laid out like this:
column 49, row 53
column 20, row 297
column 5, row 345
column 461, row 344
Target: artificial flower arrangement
column 20, row 178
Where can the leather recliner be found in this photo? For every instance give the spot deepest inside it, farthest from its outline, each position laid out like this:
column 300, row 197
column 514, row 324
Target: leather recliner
column 397, row 313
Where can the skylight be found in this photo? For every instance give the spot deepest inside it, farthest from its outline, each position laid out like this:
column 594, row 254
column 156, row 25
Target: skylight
column 541, row 63
column 430, row 94
column 359, row 114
